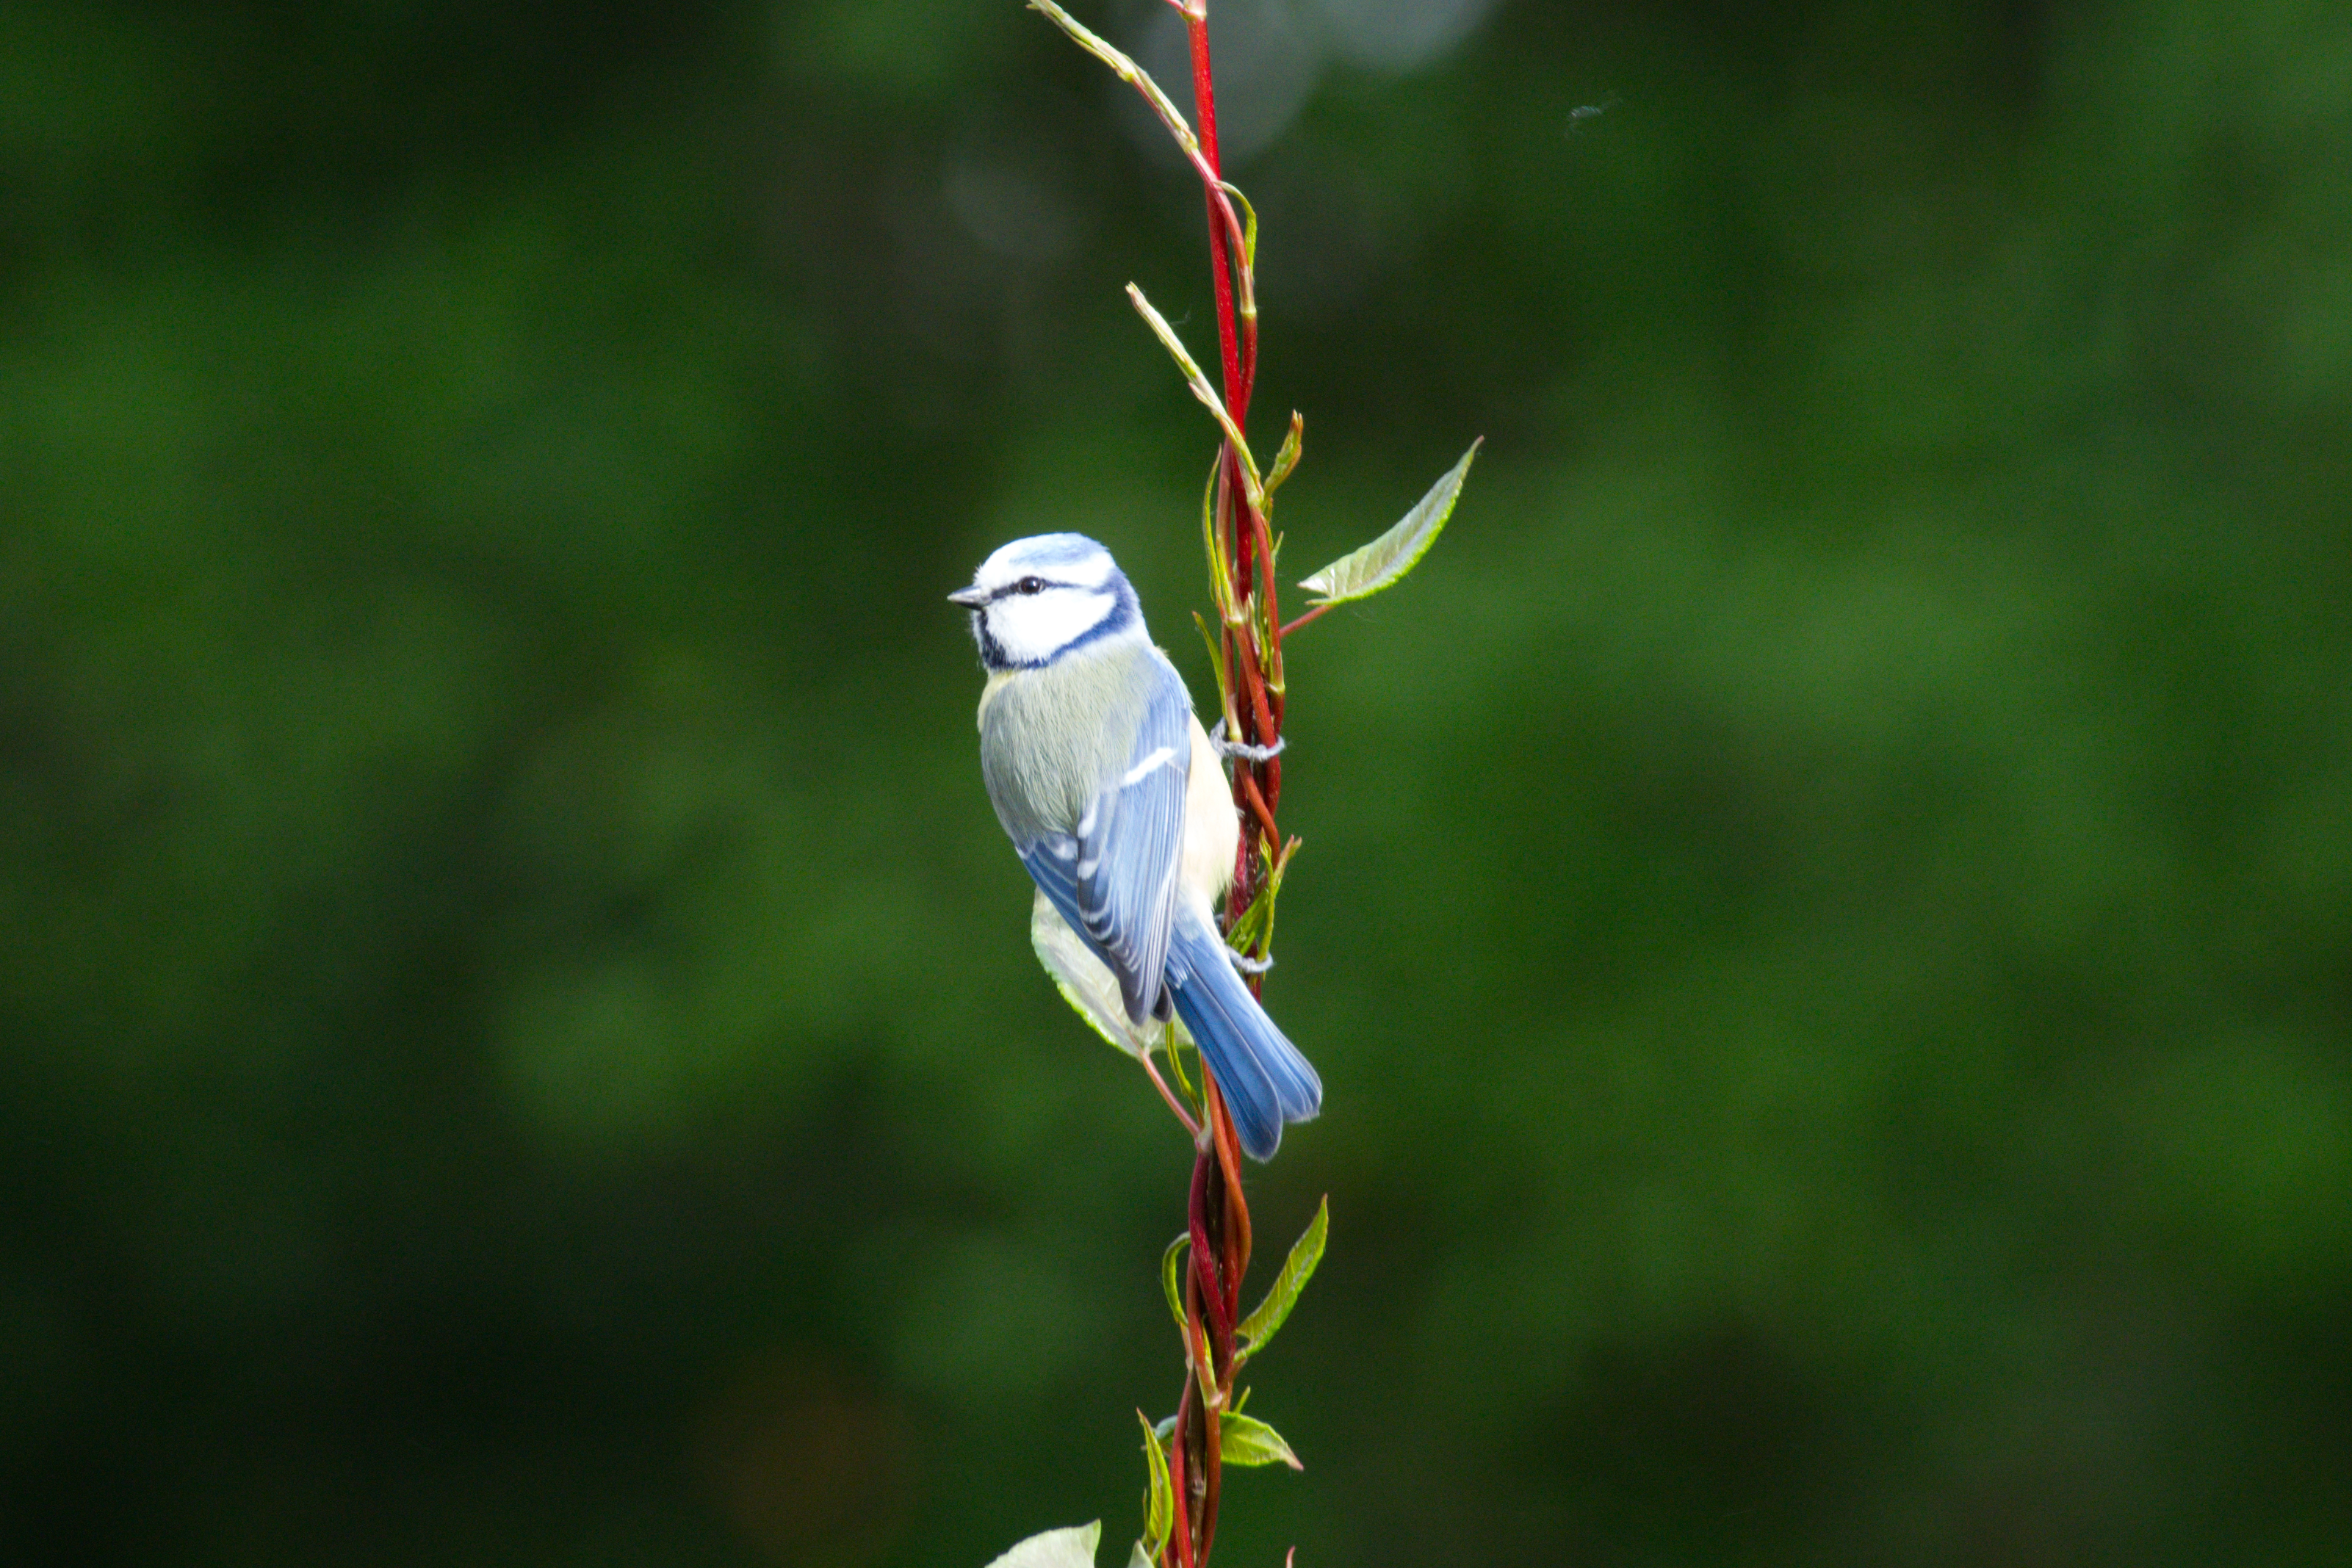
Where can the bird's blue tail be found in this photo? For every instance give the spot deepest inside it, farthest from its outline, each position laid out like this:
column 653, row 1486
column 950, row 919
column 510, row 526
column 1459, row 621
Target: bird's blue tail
column 1265, row 1080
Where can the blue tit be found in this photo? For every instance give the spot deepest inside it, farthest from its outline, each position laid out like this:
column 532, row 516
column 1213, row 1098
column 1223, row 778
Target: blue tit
column 1115, row 801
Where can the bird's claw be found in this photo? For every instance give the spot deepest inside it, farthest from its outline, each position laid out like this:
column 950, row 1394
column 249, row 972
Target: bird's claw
column 1247, row 964
column 1243, row 749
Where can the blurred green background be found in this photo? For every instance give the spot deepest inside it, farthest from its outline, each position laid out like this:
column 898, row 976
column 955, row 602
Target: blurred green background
column 1826, row 919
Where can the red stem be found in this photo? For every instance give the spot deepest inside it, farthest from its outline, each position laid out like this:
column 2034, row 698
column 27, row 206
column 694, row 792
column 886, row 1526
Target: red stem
column 1259, row 806
column 1179, row 1539
column 1204, row 1254
column 1313, row 614
column 1204, row 101
column 1218, row 1218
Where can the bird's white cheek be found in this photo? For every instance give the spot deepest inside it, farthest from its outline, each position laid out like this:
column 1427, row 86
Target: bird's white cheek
column 1032, row 627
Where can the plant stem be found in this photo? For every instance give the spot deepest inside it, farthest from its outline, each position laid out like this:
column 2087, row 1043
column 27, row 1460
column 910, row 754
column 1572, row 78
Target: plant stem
column 1251, row 691
column 1204, row 103
column 1303, row 620
column 1219, row 1218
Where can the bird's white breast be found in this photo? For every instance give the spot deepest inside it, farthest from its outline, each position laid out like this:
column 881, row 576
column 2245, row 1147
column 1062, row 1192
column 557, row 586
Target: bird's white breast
column 1212, row 831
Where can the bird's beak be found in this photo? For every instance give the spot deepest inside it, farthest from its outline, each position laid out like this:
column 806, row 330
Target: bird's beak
column 970, row 598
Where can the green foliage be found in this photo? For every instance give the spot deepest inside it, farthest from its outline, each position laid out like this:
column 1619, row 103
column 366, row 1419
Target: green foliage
column 1207, row 395
column 1363, row 572
column 1071, row 1547
column 1086, row 984
column 1246, row 1440
column 1159, row 1497
column 1252, row 930
column 1256, row 1330
column 1171, row 1265
column 1294, row 442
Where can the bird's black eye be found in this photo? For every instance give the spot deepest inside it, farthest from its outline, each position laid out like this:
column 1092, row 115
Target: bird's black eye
column 1030, row 585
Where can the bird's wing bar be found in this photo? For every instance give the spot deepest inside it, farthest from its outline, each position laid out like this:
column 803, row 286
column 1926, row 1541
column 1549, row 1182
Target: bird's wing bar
column 1114, row 880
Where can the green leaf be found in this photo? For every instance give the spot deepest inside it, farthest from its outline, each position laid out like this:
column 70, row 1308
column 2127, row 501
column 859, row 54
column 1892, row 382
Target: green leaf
column 1127, row 71
column 1169, row 1276
column 1087, row 983
column 1071, row 1547
column 1287, row 458
column 1296, row 1269
column 1221, row 576
column 1160, row 1510
column 1139, row 1557
column 1245, row 934
column 1177, row 1037
column 1252, row 930
column 1381, row 563
column 1249, row 228
column 1217, row 657
column 1246, row 1440
column 1203, row 391
column 1135, row 76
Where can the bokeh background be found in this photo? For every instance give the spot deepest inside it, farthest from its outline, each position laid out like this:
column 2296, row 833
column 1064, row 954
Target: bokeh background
column 1826, row 914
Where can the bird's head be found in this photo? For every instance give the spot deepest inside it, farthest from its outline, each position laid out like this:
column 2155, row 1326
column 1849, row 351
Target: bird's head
column 1039, row 598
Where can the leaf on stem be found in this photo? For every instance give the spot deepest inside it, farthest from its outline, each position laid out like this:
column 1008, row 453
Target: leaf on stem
column 1217, row 663
column 1380, row 564
column 1160, row 1509
column 1203, row 1369
column 1287, row 458
column 1087, row 983
column 1297, row 1269
column 1171, row 1274
column 1071, row 1547
column 1248, row 934
column 1245, row 933
column 1246, row 1440
column 1202, row 389
column 1220, row 585
column 1177, row 1037
column 1127, row 71
column 1249, row 224
column 1252, row 931
column 1244, row 236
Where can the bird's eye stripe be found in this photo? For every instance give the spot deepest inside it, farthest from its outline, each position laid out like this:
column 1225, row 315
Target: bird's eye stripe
column 1026, row 585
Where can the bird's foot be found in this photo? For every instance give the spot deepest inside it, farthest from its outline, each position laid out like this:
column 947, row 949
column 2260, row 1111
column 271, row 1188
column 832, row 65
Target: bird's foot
column 1247, row 964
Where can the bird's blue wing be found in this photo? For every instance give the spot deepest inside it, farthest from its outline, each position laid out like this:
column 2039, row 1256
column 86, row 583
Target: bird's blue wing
column 1114, row 880
column 1053, row 863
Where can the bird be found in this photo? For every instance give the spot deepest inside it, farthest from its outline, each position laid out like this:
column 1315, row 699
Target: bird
column 1116, row 801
